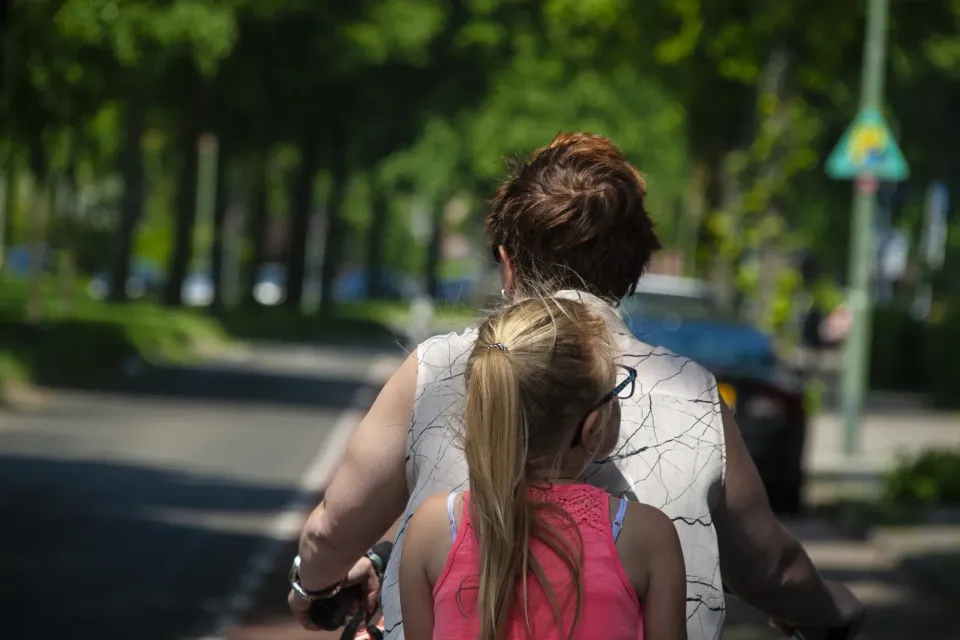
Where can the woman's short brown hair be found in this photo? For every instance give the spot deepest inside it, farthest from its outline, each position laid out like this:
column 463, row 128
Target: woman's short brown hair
column 572, row 217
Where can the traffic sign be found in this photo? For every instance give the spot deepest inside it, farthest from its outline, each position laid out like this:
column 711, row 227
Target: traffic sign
column 867, row 148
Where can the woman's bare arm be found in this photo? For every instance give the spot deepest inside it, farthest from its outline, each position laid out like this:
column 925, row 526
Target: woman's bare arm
column 760, row 560
column 369, row 490
column 658, row 571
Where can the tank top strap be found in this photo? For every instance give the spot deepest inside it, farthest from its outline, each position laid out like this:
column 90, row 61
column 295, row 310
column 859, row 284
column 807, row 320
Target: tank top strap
column 451, row 516
column 618, row 521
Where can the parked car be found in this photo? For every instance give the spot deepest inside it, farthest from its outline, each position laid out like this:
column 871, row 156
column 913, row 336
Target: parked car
column 456, row 289
column 351, row 285
column 766, row 397
column 145, row 278
column 19, row 257
column 270, row 289
column 197, row 289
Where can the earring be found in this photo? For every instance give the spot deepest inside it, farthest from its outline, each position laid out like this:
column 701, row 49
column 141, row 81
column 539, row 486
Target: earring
column 503, row 293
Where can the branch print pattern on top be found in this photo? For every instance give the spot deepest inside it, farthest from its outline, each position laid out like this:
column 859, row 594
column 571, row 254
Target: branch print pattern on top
column 670, row 455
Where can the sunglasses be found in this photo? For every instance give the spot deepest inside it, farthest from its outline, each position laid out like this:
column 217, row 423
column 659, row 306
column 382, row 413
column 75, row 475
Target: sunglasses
column 623, row 391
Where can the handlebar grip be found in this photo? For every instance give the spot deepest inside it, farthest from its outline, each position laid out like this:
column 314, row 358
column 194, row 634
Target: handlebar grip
column 334, row 613
column 383, row 549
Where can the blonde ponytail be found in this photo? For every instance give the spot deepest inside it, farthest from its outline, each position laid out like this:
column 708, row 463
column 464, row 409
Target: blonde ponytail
column 537, row 365
column 496, row 450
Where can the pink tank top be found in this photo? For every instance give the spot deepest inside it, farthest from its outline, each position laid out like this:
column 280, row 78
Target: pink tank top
column 610, row 611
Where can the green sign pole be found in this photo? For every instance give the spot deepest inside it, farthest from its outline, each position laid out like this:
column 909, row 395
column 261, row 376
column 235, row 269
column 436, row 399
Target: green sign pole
column 856, row 348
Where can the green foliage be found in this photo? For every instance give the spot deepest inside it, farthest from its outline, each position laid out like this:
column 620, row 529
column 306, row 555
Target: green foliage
column 138, row 32
column 97, row 338
column 898, row 351
column 931, row 479
column 917, row 356
column 429, row 98
column 397, row 29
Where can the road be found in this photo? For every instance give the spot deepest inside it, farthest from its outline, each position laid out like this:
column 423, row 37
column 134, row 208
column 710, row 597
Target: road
column 131, row 514
column 895, row 610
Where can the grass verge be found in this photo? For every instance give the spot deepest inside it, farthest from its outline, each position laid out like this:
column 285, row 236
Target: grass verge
column 90, row 339
column 369, row 323
column 93, row 339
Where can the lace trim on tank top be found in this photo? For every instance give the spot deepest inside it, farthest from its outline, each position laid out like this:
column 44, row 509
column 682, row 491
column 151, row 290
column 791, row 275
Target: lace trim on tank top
column 586, row 505
column 581, row 515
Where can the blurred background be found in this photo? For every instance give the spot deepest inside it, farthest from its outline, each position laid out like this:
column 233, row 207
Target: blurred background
column 223, row 221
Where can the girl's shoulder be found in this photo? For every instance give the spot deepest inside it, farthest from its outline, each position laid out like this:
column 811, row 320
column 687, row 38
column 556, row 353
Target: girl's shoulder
column 428, row 534
column 646, row 534
column 431, row 518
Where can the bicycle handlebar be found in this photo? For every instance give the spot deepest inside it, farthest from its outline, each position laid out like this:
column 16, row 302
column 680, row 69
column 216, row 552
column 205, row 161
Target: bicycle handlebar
column 342, row 609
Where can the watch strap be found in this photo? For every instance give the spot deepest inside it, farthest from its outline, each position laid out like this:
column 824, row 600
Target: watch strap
column 312, row 596
column 379, row 566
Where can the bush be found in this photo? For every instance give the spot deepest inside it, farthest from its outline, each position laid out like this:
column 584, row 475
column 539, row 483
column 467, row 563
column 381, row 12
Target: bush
column 942, row 363
column 931, row 479
column 897, row 349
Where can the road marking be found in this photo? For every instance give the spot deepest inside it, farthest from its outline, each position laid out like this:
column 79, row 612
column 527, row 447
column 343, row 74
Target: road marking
column 287, row 525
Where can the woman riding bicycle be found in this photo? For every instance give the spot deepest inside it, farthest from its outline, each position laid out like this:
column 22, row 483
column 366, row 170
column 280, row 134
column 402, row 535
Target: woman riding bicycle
column 573, row 220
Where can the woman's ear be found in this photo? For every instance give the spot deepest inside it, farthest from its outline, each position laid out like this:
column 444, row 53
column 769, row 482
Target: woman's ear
column 506, row 269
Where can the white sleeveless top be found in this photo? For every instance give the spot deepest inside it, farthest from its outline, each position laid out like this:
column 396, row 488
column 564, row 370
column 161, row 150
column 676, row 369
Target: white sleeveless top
column 670, row 455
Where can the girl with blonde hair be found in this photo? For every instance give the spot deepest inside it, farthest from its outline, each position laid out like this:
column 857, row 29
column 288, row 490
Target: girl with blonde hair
column 530, row 550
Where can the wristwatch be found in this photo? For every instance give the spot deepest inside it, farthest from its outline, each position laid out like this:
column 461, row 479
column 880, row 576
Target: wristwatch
column 310, row 596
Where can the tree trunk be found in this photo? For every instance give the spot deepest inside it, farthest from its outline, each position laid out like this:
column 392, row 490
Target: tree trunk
column 9, row 208
column 300, row 223
column 131, row 203
column 774, row 83
column 333, row 247
column 67, row 252
column 219, row 216
column 37, row 217
column 186, row 211
column 257, row 230
column 7, row 130
column 693, row 216
column 431, row 270
column 723, row 269
column 376, row 234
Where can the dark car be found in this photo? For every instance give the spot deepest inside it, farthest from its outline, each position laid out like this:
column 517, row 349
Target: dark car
column 766, row 397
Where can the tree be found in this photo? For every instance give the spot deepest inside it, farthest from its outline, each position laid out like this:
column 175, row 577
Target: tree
column 138, row 43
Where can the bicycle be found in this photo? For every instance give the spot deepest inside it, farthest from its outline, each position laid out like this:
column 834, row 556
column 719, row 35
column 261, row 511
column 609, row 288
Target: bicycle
column 337, row 612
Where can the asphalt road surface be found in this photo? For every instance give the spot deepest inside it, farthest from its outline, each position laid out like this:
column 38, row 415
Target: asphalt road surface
column 130, row 514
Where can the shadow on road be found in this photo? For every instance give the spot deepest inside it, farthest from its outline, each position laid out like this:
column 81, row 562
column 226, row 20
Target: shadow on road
column 97, row 550
column 270, row 617
column 227, row 383
column 897, row 608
